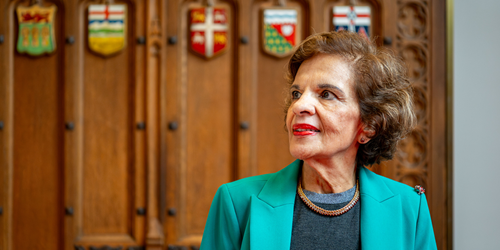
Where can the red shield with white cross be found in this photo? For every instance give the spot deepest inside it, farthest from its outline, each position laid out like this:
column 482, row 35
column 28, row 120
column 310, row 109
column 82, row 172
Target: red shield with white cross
column 208, row 31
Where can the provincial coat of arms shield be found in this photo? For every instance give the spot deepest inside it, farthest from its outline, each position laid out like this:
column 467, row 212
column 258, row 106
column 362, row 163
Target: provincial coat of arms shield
column 208, row 31
column 107, row 28
column 279, row 31
column 36, row 30
column 353, row 18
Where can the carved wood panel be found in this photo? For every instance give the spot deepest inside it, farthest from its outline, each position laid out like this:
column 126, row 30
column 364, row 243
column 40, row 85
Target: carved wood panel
column 106, row 162
column 105, row 156
column 412, row 45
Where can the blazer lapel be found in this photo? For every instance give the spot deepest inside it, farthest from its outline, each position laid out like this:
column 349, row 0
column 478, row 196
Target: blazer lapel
column 381, row 213
column 271, row 212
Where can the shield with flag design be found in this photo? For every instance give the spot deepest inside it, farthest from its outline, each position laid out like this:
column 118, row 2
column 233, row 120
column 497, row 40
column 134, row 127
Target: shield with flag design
column 280, row 31
column 208, row 31
column 36, row 30
column 352, row 18
column 107, row 28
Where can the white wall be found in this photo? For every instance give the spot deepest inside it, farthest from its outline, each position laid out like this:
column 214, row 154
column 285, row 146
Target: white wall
column 476, row 124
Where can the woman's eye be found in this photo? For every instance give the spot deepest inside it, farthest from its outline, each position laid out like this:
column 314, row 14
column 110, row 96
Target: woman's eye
column 295, row 95
column 327, row 95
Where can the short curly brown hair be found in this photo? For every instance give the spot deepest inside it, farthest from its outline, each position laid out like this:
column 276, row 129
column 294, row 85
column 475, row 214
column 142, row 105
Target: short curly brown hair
column 384, row 93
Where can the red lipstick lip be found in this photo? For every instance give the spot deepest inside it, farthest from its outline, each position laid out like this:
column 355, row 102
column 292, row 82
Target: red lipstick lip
column 305, row 129
column 304, row 126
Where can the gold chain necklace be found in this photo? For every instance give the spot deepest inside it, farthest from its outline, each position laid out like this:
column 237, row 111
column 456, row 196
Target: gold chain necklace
column 322, row 211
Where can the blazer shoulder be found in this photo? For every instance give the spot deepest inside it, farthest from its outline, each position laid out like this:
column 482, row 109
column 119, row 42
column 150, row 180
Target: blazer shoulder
column 239, row 194
column 241, row 190
column 249, row 183
column 399, row 188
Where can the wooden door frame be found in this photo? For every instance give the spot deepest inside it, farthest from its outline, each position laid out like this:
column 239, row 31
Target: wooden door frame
column 449, row 117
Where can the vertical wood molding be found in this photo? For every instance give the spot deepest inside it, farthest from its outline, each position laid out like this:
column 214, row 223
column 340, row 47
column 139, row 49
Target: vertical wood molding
column 244, row 96
column 7, row 115
column 172, row 93
column 154, row 236
column 73, row 101
column 140, row 115
column 162, row 109
column 439, row 176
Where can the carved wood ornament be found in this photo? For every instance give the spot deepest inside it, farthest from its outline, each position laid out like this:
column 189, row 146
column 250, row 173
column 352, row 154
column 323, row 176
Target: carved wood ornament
column 412, row 45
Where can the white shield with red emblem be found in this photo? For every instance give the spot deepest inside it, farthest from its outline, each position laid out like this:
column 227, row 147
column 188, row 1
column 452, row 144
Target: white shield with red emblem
column 208, row 31
column 280, row 33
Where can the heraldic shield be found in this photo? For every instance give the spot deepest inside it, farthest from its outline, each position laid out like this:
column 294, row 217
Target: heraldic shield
column 107, row 28
column 353, row 18
column 280, row 31
column 208, row 31
column 36, row 30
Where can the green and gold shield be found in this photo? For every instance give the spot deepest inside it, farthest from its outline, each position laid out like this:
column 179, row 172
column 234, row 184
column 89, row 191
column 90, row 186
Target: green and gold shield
column 36, row 30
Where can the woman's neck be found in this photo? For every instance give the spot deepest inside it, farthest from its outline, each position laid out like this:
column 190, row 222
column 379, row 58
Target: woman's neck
column 326, row 177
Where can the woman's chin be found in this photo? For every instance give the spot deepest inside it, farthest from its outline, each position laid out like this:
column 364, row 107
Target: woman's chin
column 300, row 153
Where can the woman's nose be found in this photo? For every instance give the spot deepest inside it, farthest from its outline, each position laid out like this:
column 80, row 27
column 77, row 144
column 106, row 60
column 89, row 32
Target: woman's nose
column 305, row 105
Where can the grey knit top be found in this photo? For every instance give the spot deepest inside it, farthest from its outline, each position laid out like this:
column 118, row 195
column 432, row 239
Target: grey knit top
column 314, row 231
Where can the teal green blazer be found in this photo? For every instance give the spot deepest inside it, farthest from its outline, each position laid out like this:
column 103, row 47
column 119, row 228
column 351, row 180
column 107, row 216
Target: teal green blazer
column 257, row 213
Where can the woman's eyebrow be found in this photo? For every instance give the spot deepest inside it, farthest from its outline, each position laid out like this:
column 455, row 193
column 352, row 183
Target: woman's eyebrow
column 294, row 87
column 329, row 86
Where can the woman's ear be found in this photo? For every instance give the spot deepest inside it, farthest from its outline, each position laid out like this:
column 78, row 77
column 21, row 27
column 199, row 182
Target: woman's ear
column 366, row 135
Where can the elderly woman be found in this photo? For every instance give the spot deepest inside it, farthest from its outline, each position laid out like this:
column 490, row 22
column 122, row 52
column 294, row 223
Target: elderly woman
column 349, row 104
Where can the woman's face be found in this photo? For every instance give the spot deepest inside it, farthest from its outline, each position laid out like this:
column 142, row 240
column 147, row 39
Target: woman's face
column 323, row 120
